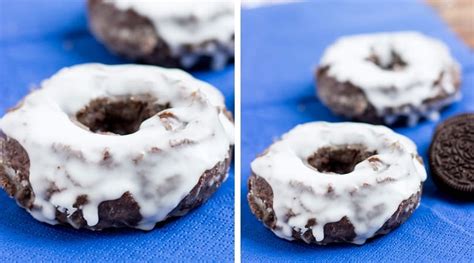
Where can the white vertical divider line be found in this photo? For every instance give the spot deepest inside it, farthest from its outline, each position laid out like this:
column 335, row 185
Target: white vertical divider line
column 237, row 148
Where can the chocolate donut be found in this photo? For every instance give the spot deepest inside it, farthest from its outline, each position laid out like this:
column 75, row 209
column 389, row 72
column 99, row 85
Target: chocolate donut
column 115, row 146
column 186, row 34
column 336, row 182
column 388, row 78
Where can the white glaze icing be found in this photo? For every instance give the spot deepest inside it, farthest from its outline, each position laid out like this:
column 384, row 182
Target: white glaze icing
column 304, row 190
column 213, row 20
column 426, row 59
column 70, row 156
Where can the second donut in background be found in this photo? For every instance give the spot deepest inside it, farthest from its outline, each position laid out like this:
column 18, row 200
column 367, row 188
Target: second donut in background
column 184, row 34
column 388, row 78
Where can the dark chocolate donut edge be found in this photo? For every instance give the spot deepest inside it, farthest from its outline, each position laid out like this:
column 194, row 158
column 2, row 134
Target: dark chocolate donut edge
column 350, row 101
column 144, row 45
column 119, row 213
column 260, row 199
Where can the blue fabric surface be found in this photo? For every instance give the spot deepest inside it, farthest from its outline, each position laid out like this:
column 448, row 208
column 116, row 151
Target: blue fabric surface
column 37, row 38
column 281, row 47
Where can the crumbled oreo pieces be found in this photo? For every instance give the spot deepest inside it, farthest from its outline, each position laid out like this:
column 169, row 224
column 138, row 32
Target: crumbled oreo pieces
column 452, row 156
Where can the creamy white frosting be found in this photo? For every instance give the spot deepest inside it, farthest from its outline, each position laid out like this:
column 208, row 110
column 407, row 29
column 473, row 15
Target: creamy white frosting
column 212, row 20
column 303, row 190
column 71, row 157
column 426, row 58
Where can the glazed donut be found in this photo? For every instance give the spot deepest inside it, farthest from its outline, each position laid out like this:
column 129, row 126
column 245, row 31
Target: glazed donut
column 102, row 146
column 336, row 182
column 184, row 33
column 389, row 78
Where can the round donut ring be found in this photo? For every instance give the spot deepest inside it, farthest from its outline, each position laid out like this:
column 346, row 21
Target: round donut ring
column 336, row 182
column 115, row 146
column 389, row 78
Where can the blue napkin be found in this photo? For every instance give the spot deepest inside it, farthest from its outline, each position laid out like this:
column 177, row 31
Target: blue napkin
column 281, row 47
column 37, row 38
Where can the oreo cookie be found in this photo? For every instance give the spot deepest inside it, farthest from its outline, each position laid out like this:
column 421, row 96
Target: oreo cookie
column 452, row 156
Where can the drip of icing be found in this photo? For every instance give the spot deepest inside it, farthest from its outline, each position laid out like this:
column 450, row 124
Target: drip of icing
column 427, row 60
column 185, row 22
column 303, row 190
column 69, row 156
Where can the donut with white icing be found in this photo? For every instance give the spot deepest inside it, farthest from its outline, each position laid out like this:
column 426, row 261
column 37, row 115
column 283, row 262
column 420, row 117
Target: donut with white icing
column 189, row 34
column 102, row 146
column 390, row 78
column 336, row 182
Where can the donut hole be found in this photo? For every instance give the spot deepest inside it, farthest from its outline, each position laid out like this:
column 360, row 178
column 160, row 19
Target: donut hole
column 339, row 160
column 121, row 115
column 394, row 62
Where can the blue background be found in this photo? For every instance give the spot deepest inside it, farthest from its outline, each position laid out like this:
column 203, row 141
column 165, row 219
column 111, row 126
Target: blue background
column 37, row 38
column 281, row 47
